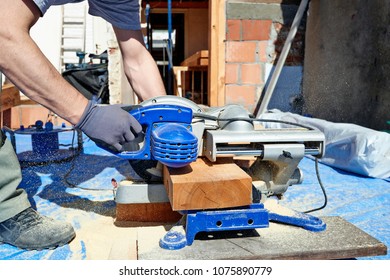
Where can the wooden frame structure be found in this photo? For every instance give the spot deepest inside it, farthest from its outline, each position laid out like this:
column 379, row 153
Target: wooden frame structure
column 217, row 36
column 216, row 44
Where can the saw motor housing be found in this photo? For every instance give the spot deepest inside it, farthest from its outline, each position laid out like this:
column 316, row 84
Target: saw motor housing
column 178, row 131
column 168, row 137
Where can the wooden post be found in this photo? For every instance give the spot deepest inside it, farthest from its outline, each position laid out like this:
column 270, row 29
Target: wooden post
column 207, row 185
column 217, row 36
column 9, row 97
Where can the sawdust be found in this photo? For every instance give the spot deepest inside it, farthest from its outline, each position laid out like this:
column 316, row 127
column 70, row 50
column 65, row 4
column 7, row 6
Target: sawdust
column 149, row 238
column 99, row 239
column 273, row 206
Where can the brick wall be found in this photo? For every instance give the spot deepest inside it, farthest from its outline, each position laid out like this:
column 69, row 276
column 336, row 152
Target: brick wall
column 254, row 39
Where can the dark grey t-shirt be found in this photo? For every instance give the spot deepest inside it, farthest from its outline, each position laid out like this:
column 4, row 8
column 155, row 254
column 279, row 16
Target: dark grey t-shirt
column 123, row 14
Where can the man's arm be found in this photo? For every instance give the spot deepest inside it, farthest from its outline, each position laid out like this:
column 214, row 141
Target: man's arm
column 139, row 66
column 25, row 65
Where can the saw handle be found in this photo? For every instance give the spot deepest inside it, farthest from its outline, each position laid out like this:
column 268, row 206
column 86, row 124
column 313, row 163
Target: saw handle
column 150, row 115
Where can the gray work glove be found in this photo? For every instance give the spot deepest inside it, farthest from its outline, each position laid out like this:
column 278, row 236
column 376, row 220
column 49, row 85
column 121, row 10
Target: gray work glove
column 109, row 126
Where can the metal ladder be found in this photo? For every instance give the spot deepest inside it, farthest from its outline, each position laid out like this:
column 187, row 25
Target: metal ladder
column 73, row 37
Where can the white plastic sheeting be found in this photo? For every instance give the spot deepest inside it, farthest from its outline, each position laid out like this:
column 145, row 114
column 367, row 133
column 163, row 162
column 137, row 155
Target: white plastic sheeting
column 348, row 146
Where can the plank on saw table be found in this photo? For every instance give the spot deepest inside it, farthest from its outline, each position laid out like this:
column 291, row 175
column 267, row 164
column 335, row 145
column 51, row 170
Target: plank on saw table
column 207, row 185
column 341, row 240
column 146, row 212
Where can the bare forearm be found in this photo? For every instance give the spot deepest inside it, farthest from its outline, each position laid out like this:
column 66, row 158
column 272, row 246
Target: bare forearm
column 140, row 68
column 40, row 81
column 145, row 78
column 25, row 65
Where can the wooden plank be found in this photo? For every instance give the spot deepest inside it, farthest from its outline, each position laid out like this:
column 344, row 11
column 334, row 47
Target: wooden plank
column 123, row 248
column 341, row 240
column 200, row 58
column 9, row 97
column 217, row 37
column 179, row 86
column 99, row 239
column 206, row 185
column 146, row 212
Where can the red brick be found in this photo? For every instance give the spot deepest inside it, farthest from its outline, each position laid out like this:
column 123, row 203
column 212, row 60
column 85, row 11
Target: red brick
column 240, row 51
column 251, row 74
column 262, row 53
column 231, row 73
column 233, row 32
column 241, row 95
column 256, row 29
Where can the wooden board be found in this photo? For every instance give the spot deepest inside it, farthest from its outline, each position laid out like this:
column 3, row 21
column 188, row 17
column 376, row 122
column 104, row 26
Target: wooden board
column 217, row 59
column 9, row 97
column 206, row 185
column 200, row 58
column 341, row 240
column 146, row 212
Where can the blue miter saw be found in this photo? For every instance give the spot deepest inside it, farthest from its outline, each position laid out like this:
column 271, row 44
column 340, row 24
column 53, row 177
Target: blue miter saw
column 168, row 136
column 178, row 131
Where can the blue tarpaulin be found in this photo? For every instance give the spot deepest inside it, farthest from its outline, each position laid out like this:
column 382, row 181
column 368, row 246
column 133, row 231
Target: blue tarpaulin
column 80, row 192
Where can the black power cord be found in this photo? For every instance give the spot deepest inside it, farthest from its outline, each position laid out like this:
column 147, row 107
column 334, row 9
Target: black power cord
column 208, row 117
column 322, row 188
column 70, row 170
column 205, row 116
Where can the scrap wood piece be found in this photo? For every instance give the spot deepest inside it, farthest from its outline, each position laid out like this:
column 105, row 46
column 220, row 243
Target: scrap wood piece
column 200, row 58
column 9, row 97
column 146, row 212
column 206, row 185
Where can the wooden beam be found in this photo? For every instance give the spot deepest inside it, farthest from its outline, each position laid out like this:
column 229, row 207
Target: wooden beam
column 9, row 97
column 206, row 185
column 217, row 36
column 146, row 212
column 200, row 58
column 340, row 240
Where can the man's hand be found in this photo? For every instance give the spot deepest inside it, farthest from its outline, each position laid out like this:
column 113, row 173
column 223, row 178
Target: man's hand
column 109, row 126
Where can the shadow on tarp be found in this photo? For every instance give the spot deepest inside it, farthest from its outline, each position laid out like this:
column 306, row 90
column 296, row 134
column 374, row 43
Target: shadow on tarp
column 83, row 183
